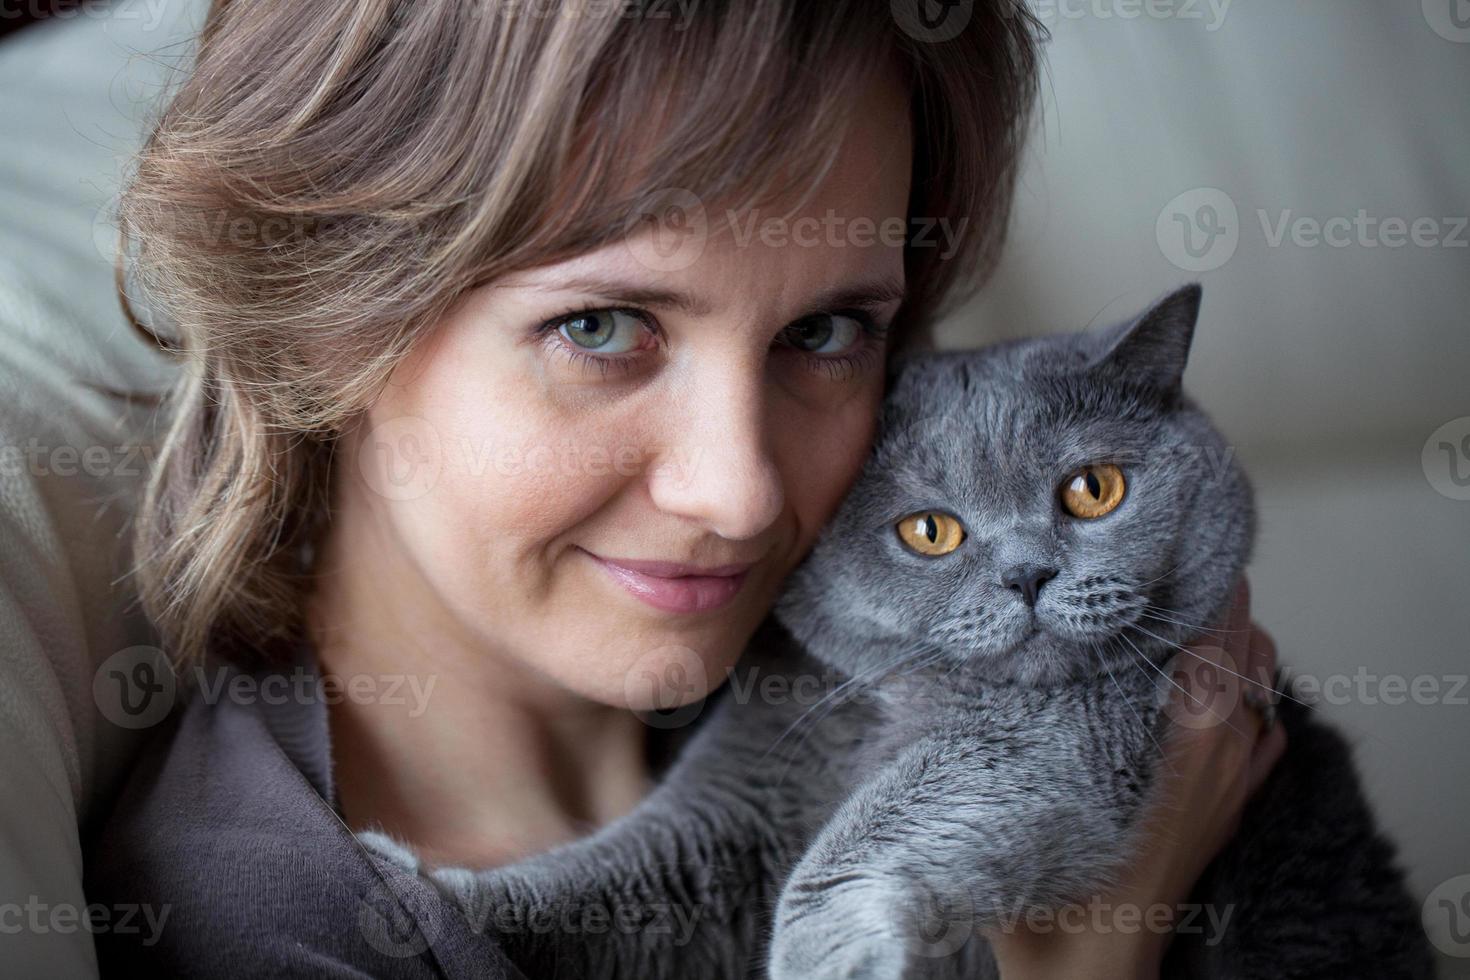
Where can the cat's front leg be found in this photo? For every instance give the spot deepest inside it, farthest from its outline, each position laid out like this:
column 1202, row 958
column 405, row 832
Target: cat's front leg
column 841, row 917
column 880, row 894
column 965, row 830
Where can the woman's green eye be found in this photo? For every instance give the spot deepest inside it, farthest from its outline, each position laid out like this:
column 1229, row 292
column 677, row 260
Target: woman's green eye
column 824, row 333
column 604, row 331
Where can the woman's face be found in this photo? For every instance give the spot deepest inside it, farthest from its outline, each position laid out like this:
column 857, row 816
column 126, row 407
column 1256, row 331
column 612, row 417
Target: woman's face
column 598, row 472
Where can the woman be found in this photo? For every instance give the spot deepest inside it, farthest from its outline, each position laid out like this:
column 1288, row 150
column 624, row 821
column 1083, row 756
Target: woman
column 531, row 346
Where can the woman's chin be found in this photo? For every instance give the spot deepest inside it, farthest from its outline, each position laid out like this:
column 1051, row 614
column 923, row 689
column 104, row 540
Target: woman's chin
column 667, row 673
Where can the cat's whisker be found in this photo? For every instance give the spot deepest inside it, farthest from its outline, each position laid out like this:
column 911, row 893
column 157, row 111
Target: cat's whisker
column 1164, row 674
column 829, row 696
column 1129, row 705
column 1160, row 578
column 1269, row 688
column 1152, row 612
column 829, row 700
column 1165, row 610
column 833, row 703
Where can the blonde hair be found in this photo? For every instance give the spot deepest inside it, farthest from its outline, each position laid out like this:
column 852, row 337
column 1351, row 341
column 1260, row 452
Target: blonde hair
column 332, row 175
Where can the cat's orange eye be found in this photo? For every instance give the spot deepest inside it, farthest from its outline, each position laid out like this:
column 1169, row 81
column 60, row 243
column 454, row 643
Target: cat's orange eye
column 1093, row 491
column 931, row 533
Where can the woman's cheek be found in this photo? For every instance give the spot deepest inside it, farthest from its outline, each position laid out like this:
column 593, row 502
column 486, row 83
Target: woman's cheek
column 524, row 483
column 822, row 458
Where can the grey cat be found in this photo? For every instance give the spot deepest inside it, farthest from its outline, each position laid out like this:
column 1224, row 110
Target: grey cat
column 1041, row 527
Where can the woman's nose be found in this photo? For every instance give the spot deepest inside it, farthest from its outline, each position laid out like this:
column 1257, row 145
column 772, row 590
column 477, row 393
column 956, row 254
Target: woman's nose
column 715, row 466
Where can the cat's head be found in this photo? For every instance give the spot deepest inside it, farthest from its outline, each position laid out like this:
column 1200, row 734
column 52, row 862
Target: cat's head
column 1032, row 511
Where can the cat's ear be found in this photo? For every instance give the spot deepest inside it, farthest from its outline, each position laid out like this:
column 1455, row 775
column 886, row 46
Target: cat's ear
column 1154, row 347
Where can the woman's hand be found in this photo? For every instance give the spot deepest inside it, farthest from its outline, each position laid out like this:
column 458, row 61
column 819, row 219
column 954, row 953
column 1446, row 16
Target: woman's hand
column 1216, row 756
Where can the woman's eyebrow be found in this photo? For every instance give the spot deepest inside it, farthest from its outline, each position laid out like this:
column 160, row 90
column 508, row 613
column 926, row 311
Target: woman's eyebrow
column 872, row 293
column 632, row 293
column 877, row 292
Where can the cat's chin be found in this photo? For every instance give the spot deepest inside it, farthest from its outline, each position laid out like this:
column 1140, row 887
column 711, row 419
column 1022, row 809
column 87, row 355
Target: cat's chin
column 1038, row 658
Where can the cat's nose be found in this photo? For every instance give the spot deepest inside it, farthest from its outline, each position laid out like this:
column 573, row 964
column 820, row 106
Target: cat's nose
column 1028, row 580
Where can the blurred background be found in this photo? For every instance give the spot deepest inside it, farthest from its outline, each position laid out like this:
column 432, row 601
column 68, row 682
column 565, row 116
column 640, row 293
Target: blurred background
column 1309, row 162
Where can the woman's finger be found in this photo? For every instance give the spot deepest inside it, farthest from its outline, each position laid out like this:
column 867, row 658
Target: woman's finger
column 1238, row 622
column 1268, row 751
column 1251, row 656
column 1205, row 677
column 1262, row 672
column 1272, row 744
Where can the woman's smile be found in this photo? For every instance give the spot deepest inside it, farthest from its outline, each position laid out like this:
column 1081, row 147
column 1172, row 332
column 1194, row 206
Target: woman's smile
column 676, row 587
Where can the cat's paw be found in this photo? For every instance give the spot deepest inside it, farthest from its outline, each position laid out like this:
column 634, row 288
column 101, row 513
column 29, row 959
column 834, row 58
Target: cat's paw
column 873, row 926
column 875, row 958
column 846, row 932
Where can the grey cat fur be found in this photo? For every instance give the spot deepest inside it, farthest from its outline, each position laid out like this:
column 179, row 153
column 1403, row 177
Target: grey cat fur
column 1004, row 753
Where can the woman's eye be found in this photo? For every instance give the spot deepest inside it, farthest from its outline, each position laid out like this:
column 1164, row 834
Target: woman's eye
column 604, row 331
column 824, row 333
column 1093, row 491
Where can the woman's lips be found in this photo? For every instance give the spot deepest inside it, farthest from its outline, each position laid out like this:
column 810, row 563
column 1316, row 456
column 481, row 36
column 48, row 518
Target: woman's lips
column 673, row 587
